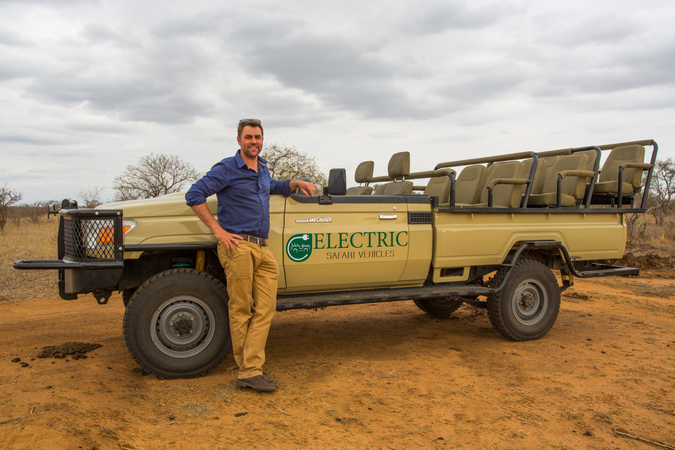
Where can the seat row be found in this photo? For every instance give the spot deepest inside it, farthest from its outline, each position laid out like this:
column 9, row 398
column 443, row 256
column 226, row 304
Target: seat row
column 398, row 180
column 560, row 178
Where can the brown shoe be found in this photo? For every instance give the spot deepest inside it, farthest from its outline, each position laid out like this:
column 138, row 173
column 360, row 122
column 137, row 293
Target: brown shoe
column 257, row 383
column 270, row 380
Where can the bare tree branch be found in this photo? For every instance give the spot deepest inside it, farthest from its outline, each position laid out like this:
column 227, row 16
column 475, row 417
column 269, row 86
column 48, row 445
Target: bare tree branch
column 662, row 189
column 154, row 175
column 8, row 197
column 91, row 196
column 289, row 162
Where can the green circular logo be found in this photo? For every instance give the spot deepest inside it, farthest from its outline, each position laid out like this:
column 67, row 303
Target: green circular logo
column 299, row 247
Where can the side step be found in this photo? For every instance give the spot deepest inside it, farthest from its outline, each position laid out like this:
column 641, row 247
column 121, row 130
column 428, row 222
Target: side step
column 603, row 270
column 436, row 292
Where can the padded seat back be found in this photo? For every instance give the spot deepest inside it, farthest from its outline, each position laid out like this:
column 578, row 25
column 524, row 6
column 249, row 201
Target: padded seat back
column 469, row 184
column 363, row 174
column 504, row 195
column 439, row 187
column 632, row 177
column 591, row 154
column 399, row 167
column 539, row 174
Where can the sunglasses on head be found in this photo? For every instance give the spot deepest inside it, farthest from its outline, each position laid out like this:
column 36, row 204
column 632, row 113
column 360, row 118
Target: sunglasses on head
column 249, row 120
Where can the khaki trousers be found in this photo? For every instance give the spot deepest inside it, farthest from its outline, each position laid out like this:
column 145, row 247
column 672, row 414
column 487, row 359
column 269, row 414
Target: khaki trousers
column 252, row 275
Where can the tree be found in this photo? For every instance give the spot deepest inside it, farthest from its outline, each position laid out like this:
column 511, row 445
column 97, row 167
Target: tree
column 154, row 175
column 289, row 162
column 8, row 197
column 91, row 196
column 662, row 189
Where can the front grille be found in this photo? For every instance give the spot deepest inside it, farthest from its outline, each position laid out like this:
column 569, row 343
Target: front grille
column 419, row 217
column 89, row 239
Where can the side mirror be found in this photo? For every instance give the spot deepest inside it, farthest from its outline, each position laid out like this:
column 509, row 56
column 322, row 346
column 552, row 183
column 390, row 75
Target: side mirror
column 337, row 185
column 337, row 182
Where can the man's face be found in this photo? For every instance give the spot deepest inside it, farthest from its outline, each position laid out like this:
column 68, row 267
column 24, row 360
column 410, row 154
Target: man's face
column 250, row 141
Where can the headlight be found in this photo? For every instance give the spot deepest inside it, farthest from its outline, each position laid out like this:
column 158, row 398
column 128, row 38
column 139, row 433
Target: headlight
column 105, row 231
column 128, row 225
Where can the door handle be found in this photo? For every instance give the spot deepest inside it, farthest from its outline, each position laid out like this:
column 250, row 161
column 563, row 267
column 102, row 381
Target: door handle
column 388, row 216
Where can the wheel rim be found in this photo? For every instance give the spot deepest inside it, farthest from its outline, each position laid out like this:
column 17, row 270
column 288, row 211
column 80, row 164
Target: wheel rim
column 182, row 326
column 529, row 302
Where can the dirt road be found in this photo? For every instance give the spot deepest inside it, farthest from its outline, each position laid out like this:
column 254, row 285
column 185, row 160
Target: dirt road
column 377, row 376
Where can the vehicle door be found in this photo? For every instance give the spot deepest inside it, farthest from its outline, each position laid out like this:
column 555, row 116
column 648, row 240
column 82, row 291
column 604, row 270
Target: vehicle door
column 355, row 242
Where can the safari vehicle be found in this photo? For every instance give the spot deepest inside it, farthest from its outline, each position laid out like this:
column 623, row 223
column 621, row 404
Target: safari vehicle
column 486, row 231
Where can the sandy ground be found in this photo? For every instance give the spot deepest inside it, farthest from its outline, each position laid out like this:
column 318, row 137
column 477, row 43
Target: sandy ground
column 367, row 376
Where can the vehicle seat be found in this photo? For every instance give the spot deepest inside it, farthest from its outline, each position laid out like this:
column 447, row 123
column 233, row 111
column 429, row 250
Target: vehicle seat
column 363, row 174
column 399, row 167
column 469, row 184
column 439, row 187
column 539, row 173
column 507, row 177
column 608, row 182
column 592, row 154
column 573, row 185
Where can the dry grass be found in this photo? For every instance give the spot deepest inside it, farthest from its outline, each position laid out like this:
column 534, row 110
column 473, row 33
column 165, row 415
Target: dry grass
column 27, row 240
column 643, row 231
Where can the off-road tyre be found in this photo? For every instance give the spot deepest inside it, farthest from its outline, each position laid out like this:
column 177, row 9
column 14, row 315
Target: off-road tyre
column 176, row 324
column 528, row 305
column 438, row 308
column 126, row 296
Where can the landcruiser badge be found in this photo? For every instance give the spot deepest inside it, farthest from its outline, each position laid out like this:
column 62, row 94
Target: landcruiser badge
column 299, row 247
column 315, row 220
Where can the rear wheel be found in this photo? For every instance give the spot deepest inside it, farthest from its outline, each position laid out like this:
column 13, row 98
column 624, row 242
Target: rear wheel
column 176, row 324
column 527, row 307
column 436, row 307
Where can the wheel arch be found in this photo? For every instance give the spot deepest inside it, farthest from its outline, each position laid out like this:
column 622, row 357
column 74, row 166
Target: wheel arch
column 150, row 263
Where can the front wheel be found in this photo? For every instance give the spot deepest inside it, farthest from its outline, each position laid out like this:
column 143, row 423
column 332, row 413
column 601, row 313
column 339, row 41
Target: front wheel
column 527, row 307
column 176, row 324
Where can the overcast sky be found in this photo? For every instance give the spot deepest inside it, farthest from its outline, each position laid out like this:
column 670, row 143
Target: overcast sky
column 88, row 87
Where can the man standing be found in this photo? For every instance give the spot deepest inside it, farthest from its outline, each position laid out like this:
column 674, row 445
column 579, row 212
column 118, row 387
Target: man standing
column 243, row 186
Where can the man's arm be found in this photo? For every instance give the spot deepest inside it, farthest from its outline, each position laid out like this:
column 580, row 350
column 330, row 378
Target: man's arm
column 202, row 211
column 306, row 187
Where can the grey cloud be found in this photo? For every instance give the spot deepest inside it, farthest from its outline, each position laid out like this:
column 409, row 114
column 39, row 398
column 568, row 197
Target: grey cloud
column 104, row 34
column 29, row 140
column 10, row 39
column 425, row 19
column 137, row 99
column 16, row 69
column 608, row 29
column 279, row 107
column 341, row 74
column 48, row 2
column 200, row 24
column 99, row 127
column 620, row 69
column 155, row 84
column 475, row 88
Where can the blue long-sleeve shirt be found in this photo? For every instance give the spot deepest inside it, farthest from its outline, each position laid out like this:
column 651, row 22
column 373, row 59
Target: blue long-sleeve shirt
column 243, row 195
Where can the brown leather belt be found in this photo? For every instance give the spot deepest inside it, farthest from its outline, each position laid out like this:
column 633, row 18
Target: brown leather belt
column 254, row 240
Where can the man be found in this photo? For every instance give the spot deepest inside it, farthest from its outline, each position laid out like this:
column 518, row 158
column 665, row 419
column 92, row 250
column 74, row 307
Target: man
column 243, row 186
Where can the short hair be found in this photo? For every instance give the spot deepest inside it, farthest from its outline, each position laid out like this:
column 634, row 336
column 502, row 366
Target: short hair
column 250, row 123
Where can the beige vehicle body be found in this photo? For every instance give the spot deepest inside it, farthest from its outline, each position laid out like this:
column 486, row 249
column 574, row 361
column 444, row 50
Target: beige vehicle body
column 488, row 231
column 371, row 245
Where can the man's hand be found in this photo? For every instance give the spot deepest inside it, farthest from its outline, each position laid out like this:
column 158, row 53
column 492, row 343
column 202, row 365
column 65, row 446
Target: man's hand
column 229, row 240
column 305, row 187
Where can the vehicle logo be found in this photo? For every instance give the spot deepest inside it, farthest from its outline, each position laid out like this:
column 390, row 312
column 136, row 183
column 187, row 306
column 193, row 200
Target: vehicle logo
column 315, row 220
column 299, row 247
